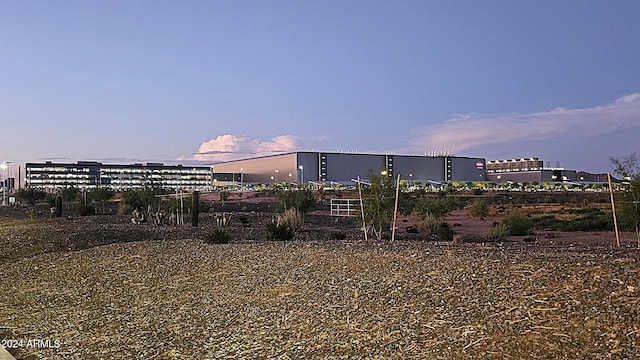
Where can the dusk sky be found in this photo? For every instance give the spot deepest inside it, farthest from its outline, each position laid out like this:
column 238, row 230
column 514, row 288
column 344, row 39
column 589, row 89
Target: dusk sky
column 175, row 81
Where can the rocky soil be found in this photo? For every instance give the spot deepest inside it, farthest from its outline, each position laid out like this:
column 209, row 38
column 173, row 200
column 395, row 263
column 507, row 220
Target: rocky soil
column 102, row 288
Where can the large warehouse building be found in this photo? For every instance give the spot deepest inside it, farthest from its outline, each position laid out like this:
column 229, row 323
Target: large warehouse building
column 295, row 167
column 325, row 167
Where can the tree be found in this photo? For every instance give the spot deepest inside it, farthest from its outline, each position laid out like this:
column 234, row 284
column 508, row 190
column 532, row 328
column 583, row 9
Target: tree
column 102, row 195
column 628, row 167
column 69, row 194
column 140, row 199
column 629, row 208
column 31, row 195
column 378, row 201
column 628, row 205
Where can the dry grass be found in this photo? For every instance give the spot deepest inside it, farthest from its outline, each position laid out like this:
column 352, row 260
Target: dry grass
column 188, row 300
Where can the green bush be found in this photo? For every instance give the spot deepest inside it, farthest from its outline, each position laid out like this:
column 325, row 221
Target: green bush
column 85, row 210
column 438, row 206
column 244, row 220
column 444, row 232
column 279, row 232
column 31, row 195
column 217, row 236
column 479, row 208
column 498, row 232
column 592, row 220
column 302, row 200
column 140, row 199
column 518, row 224
column 69, row 194
column 124, row 209
column 203, row 206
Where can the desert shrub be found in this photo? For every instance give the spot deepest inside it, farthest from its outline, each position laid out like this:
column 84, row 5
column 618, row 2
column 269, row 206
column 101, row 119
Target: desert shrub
column 499, row 231
column 412, row 230
column 33, row 213
column 547, row 222
column 279, row 232
column 444, row 232
column 85, row 210
column 479, row 208
column 438, row 206
column 407, row 201
column 124, row 209
column 428, row 225
column 302, row 200
column 592, row 220
column 337, row 235
column 518, row 224
column 203, row 206
column 244, row 220
column 435, row 229
column 217, row 236
column 291, row 218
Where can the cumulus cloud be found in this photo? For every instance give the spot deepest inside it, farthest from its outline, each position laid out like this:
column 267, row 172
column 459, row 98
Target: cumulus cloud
column 230, row 147
column 472, row 131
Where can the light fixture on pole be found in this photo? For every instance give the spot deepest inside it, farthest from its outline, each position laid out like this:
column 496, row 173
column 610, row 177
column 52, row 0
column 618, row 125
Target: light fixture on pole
column 301, row 174
column 276, row 175
column 241, row 179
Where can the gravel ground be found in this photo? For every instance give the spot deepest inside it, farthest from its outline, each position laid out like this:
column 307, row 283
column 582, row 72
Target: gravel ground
column 184, row 299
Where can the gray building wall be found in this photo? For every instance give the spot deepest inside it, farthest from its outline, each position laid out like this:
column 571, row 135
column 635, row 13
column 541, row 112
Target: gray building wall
column 419, row 168
column 260, row 170
column 310, row 162
column 344, row 167
column 339, row 167
column 467, row 169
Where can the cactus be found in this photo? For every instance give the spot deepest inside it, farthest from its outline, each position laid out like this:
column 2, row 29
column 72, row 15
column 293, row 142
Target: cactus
column 58, row 212
column 195, row 208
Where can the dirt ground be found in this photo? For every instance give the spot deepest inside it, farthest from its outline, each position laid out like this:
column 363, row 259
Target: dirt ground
column 102, row 288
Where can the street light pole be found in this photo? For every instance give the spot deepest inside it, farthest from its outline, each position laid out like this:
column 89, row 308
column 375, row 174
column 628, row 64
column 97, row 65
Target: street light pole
column 9, row 175
column 301, row 174
column 5, row 168
column 4, row 180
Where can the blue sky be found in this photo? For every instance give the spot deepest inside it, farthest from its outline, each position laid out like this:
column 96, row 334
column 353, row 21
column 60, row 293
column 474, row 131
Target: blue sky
column 174, row 81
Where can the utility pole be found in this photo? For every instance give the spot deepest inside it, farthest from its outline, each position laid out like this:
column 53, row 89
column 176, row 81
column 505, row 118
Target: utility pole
column 613, row 209
column 364, row 224
column 395, row 210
